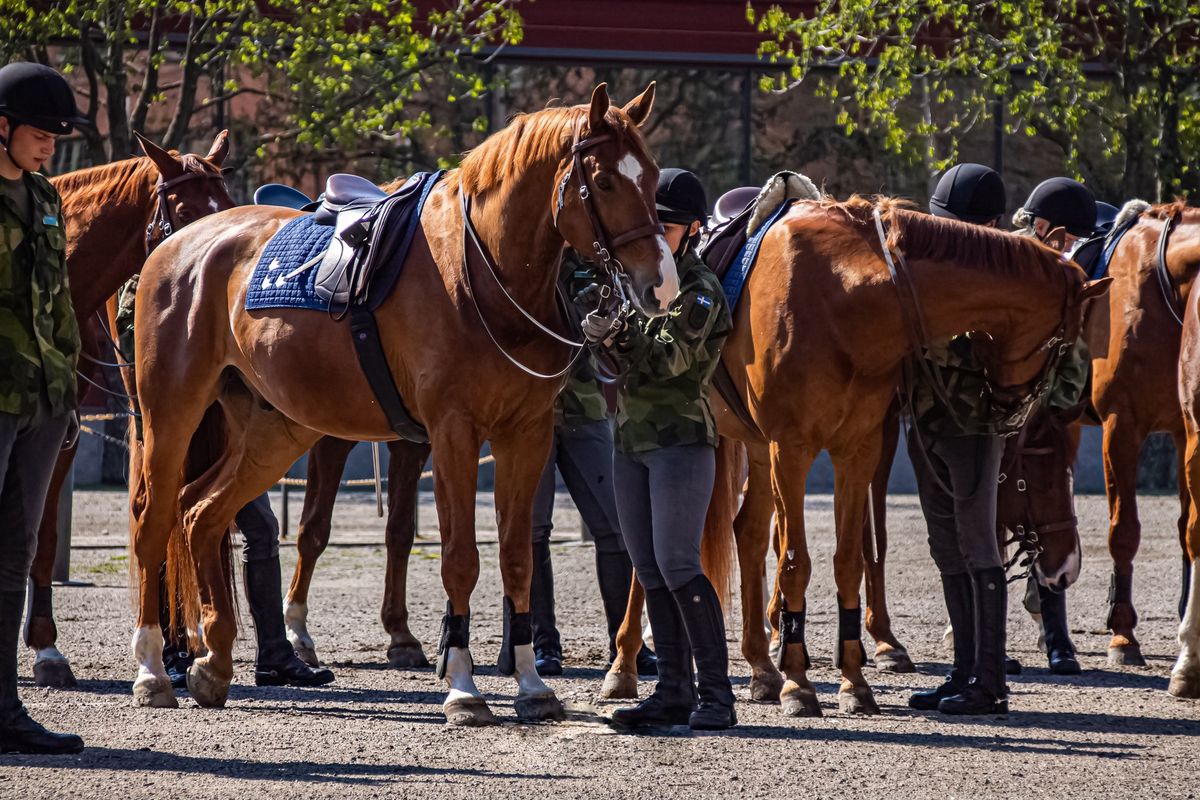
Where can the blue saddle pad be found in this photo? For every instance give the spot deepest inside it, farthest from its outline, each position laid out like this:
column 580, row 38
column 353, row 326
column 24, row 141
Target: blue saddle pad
column 297, row 242
column 739, row 268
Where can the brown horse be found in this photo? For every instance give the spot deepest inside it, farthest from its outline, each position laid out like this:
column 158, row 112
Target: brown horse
column 115, row 213
column 816, row 351
column 1185, row 676
column 1134, row 342
column 555, row 177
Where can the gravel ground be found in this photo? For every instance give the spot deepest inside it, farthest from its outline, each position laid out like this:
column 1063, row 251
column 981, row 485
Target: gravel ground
column 380, row 732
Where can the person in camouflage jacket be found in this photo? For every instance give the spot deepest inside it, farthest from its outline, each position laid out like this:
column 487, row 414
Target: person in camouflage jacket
column 39, row 345
column 665, row 466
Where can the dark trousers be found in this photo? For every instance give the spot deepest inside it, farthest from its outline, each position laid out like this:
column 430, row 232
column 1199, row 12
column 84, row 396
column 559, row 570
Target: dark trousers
column 662, row 499
column 29, row 446
column 260, row 530
column 583, row 454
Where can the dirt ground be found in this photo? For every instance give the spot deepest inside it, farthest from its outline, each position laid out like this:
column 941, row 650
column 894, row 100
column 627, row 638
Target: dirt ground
column 379, row 732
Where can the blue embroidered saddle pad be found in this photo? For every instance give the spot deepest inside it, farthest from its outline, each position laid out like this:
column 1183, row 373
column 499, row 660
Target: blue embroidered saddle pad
column 301, row 240
column 739, row 267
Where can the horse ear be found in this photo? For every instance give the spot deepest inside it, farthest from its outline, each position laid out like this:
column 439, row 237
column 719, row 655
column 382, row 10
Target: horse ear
column 1096, row 288
column 219, row 149
column 600, row 104
column 639, row 107
column 168, row 165
column 1056, row 239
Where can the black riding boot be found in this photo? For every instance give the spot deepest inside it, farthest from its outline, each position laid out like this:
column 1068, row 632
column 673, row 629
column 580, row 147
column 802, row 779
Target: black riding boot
column 614, row 572
column 18, row 732
column 1059, row 649
column 960, row 603
column 547, row 647
column 706, row 629
column 674, row 697
column 987, row 693
column 277, row 663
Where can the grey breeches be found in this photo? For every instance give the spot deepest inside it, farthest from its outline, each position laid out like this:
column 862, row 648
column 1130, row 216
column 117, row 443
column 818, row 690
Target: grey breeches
column 583, row 455
column 29, row 446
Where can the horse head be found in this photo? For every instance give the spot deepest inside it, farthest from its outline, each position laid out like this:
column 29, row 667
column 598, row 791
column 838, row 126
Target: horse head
column 189, row 187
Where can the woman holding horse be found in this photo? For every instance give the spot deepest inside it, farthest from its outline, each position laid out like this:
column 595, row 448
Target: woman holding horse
column 40, row 343
column 665, row 467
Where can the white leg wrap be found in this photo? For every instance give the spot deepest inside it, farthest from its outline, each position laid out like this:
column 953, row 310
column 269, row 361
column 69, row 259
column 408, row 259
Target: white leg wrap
column 1189, row 629
column 295, row 617
column 49, row 655
column 458, row 675
column 529, row 683
column 147, row 652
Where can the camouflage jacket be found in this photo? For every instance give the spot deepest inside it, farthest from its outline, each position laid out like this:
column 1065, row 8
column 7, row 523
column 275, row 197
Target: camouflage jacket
column 1070, row 377
column 668, row 363
column 39, row 336
column 581, row 399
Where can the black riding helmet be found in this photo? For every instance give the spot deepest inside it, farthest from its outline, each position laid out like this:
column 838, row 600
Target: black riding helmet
column 36, row 95
column 680, row 197
column 969, row 192
column 1064, row 203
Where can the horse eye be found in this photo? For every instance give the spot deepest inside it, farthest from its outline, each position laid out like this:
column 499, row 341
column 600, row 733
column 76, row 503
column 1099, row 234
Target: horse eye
column 604, row 182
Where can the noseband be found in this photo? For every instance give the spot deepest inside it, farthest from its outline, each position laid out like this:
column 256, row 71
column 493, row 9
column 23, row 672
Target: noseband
column 164, row 222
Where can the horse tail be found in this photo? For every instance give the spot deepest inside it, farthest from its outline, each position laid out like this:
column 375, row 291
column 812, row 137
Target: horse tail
column 717, row 551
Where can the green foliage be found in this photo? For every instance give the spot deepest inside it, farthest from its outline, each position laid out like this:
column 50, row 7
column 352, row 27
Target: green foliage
column 1101, row 79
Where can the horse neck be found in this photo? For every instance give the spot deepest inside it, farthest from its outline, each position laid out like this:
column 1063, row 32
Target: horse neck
column 107, row 244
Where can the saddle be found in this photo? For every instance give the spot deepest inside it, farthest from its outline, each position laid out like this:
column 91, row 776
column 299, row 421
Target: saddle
column 278, row 194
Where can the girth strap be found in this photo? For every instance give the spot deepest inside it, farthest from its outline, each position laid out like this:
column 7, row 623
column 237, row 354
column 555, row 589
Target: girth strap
column 364, row 332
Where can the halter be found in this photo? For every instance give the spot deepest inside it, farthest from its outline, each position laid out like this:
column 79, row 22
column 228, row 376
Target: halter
column 163, row 218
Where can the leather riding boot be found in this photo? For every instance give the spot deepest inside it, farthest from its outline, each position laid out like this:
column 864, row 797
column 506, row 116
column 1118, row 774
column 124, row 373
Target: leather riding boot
column 987, row 692
column 1060, row 651
column 674, row 697
column 547, row 647
column 705, row 625
column 960, row 604
column 18, row 732
column 277, row 663
column 614, row 572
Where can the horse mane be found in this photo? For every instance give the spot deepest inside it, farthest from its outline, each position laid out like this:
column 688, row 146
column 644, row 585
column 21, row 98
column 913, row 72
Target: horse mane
column 1177, row 207
column 530, row 139
column 923, row 236
column 130, row 181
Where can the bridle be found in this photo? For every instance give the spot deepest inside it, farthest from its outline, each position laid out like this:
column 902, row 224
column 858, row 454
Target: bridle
column 164, row 222
column 611, row 291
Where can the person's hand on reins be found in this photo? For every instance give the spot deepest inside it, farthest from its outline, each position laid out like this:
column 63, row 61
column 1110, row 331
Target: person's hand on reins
column 601, row 327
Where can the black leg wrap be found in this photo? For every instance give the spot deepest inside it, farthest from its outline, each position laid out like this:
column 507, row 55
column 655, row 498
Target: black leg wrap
column 456, row 632
column 791, row 631
column 518, row 629
column 1183, row 592
column 849, row 630
column 1120, row 590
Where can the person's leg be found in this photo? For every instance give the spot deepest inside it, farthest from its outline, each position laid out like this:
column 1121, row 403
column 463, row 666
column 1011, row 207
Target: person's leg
column 547, row 646
column 673, row 698
column 276, row 663
column 937, row 505
column 681, row 482
column 29, row 447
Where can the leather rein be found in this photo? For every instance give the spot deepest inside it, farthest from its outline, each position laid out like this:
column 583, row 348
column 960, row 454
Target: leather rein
column 611, row 291
column 1025, row 534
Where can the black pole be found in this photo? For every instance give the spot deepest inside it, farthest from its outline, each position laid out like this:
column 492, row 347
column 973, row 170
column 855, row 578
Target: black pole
column 747, row 132
column 998, row 136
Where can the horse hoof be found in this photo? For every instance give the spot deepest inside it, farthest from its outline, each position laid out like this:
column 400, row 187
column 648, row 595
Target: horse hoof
column 895, row 660
column 540, row 708
column 858, row 700
column 801, row 703
column 471, row 712
column 308, row 655
column 1129, row 655
column 54, row 674
column 154, row 693
column 206, row 687
column 407, row 656
column 1185, row 685
column 765, row 687
column 619, row 686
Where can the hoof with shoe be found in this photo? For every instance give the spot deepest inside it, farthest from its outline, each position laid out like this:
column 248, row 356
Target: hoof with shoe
column 798, row 702
column 765, row 686
column 54, row 674
column 894, row 660
column 858, row 700
column 619, row 686
column 406, row 656
column 154, row 692
column 206, row 687
column 1129, row 655
column 540, row 708
column 470, row 712
column 307, row 654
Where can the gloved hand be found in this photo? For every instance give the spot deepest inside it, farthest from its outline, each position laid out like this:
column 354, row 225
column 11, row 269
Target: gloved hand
column 599, row 328
column 72, row 435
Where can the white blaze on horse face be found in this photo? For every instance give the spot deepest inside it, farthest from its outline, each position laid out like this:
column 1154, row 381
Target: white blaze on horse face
column 458, row 675
column 669, row 288
column 212, row 205
column 529, row 683
column 631, row 168
column 1188, row 664
column 1066, row 574
column 147, row 652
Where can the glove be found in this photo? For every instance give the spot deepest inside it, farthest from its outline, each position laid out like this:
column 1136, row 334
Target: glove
column 72, row 435
column 599, row 328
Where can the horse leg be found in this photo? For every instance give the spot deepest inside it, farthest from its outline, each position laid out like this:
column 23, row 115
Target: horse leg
column 890, row 655
column 752, row 532
column 790, row 464
column 1121, row 448
column 520, row 461
column 326, row 462
column 620, row 682
column 455, row 472
column 405, row 461
column 50, row 667
column 852, row 476
column 1185, row 675
column 1181, row 444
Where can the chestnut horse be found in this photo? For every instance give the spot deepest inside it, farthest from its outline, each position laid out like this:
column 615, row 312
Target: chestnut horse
column 1185, row 676
column 818, row 342
column 115, row 214
column 284, row 378
column 1134, row 342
